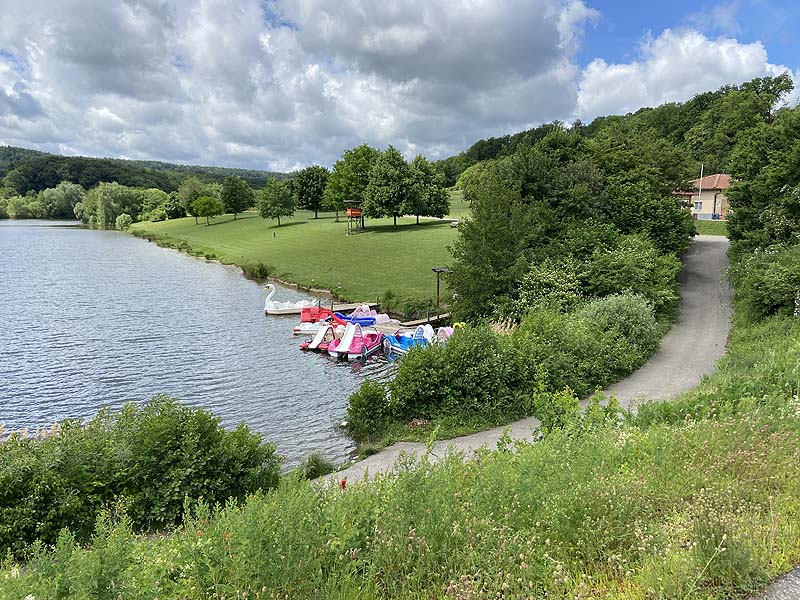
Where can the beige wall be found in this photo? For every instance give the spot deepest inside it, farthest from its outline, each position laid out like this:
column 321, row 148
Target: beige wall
column 707, row 208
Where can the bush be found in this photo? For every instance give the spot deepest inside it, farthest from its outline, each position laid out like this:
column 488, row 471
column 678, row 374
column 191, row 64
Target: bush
column 550, row 284
column 257, row 271
column 629, row 315
column 768, row 283
column 123, row 221
column 368, row 412
column 635, row 265
column 154, row 456
column 157, row 214
column 316, row 465
column 575, row 352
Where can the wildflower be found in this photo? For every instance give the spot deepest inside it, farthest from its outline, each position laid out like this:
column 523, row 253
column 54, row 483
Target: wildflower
column 343, row 484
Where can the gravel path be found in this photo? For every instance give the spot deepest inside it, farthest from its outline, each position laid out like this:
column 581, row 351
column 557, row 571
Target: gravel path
column 690, row 350
column 697, row 340
column 785, row 588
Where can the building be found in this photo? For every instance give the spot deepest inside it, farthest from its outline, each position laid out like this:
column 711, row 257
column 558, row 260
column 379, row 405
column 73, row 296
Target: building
column 708, row 199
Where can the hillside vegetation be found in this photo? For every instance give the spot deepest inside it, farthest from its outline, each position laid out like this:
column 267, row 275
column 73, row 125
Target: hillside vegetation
column 33, row 171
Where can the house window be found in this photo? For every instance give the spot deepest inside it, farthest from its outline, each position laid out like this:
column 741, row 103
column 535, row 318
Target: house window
column 698, row 205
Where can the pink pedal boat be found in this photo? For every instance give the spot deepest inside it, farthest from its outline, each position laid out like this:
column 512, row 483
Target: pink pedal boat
column 356, row 343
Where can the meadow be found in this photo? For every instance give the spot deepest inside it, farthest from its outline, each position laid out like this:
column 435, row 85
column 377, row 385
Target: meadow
column 318, row 253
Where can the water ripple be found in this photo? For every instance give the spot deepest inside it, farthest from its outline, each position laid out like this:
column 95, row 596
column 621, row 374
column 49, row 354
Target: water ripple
column 97, row 317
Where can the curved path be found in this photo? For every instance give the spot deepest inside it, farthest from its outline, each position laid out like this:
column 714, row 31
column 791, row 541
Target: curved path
column 690, row 350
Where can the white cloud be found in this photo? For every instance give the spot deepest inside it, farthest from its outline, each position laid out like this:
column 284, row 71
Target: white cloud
column 285, row 83
column 671, row 67
column 277, row 83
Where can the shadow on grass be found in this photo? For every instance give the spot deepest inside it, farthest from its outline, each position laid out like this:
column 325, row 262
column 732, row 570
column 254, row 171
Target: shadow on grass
column 389, row 228
column 277, row 227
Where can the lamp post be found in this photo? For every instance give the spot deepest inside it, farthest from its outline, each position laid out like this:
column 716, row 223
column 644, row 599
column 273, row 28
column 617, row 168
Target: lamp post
column 438, row 271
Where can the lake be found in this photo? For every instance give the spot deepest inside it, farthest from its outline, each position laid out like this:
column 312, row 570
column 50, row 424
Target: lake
column 99, row 317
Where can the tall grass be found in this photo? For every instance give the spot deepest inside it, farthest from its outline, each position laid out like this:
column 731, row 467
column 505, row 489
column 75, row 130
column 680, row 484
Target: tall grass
column 696, row 511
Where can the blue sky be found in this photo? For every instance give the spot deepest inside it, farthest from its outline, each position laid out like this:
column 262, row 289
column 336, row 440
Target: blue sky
column 623, row 24
column 281, row 84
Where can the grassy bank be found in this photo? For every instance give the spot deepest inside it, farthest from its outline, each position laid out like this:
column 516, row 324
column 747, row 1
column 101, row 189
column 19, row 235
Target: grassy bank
column 317, row 252
column 702, row 501
column 711, row 227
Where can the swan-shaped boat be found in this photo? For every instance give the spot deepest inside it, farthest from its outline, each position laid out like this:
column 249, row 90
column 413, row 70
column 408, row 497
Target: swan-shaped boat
column 285, row 308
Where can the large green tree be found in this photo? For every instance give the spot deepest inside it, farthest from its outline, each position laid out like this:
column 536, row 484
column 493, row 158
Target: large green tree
column 190, row 190
column 236, row 195
column 59, row 202
column 309, row 188
column 275, row 201
column 349, row 177
column 391, row 186
column 106, row 202
column 208, row 207
column 429, row 199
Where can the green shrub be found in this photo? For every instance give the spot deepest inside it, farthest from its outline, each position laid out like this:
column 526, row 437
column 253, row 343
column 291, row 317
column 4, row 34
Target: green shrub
column 629, row 315
column 635, row 265
column 476, row 373
column 257, row 271
column 159, row 213
column 368, row 412
column 575, row 352
column 316, row 465
column 550, row 284
column 768, row 283
column 155, row 456
column 123, row 221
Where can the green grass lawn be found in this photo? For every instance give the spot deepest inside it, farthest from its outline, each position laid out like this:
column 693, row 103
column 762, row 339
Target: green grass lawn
column 712, row 227
column 318, row 253
column 459, row 208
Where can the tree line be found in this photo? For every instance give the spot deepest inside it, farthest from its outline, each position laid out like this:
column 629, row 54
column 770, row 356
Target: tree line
column 707, row 127
column 383, row 184
column 23, row 170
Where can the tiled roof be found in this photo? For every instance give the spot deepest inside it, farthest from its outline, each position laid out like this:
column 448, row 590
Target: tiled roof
column 718, row 181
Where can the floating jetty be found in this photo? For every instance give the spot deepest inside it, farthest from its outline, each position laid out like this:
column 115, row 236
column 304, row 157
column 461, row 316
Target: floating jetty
column 391, row 328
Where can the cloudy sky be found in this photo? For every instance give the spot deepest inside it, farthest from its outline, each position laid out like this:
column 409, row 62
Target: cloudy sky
column 281, row 84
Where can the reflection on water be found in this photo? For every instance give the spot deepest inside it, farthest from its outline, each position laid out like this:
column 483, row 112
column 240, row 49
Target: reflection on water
column 100, row 317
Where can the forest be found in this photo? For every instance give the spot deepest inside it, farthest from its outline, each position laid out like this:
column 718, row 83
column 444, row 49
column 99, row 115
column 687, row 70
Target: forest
column 32, row 171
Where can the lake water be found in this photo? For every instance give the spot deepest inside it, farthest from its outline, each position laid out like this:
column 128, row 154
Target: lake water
column 89, row 318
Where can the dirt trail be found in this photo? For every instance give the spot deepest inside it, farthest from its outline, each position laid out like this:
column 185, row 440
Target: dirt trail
column 690, row 350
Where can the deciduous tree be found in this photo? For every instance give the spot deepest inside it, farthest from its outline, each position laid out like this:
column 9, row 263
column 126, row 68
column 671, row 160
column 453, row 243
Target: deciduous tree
column 236, row 195
column 350, row 177
column 309, row 188
column 391, row 186
column 190, row 190
column 208, row 207
column 429, row 199
column 275, row 201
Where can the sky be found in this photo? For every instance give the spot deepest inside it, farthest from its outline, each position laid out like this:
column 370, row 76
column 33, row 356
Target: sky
column 282, row 84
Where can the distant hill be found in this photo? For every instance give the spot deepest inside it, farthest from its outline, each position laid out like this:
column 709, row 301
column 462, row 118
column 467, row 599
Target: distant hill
column 36, row 171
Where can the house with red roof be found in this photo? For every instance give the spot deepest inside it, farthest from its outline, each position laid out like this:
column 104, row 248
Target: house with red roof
column 707, row 199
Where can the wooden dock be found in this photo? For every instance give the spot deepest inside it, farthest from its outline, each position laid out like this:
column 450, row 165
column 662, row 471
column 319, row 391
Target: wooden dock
column 346, row 307
column 432, row 319
column 409, row 326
